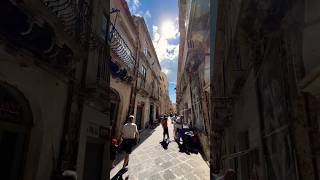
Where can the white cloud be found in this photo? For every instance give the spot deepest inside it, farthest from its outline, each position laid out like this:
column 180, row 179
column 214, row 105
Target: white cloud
column 136, row 3
column 147, row 14
column 166, row 71
column 134, row 6
column 170, row 69
column 161, row 37
column 169, row 30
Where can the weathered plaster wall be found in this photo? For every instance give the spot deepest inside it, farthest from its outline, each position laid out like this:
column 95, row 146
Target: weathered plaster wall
column 46, row 95
column 124, row 91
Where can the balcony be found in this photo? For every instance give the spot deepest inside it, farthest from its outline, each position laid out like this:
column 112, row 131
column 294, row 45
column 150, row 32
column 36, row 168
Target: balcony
column 74, row 15
column 120, row 48
column 22, row 31
column 118, row 72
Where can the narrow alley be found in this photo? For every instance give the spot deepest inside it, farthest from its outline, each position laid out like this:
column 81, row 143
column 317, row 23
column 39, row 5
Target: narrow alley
column 149, row 160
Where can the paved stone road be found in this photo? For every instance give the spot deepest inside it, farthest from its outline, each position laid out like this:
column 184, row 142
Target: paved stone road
column 152, row 162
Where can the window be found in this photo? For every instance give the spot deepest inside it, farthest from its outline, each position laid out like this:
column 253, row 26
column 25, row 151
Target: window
column 144, row 71
column 145, row 51
column 144, row 76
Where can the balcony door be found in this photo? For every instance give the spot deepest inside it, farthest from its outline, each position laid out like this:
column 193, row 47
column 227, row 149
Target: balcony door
column 139, row 116
column 94, row 159
column 151, row 114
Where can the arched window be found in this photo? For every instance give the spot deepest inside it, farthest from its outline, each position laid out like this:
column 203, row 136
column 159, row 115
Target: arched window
column 15, row 124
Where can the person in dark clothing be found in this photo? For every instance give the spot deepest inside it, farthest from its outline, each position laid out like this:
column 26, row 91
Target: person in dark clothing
column 165, row 128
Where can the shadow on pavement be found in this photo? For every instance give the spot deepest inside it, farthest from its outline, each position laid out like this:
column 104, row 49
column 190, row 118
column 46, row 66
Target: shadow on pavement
column 164, row 144
column 119, row 174
column 183, row 148
column 145, row 134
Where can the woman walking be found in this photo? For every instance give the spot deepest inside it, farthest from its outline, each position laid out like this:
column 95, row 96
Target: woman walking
column 130, row 136
column 165, row 128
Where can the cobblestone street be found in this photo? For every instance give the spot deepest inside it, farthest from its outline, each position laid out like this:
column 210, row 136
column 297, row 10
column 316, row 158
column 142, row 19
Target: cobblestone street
column 151, row 161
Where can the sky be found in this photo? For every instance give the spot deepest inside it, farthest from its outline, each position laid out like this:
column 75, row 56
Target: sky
column 161, row 17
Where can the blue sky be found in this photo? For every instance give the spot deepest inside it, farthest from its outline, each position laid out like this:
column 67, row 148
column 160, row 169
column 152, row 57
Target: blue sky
column 161, row 17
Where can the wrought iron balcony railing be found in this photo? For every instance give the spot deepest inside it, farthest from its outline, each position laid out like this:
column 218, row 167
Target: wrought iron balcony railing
column 74, row 15
column 120, row 47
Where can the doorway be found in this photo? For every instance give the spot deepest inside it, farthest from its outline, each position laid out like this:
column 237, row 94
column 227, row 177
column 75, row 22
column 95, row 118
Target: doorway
column 151, row 115
column 139, row 116
column 93, row 159
column 15, row 125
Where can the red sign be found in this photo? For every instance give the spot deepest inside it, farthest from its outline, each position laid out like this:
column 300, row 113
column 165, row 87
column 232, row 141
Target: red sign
column 9, row 108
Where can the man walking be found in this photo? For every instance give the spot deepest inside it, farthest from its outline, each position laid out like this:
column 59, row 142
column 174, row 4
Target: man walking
column 178, row 125
column 164, row 124
column 130, row 136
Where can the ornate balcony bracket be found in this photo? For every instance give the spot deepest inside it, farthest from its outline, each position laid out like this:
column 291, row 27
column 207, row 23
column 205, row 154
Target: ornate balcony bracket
column 74, row 15
column 35, row 37
column 119, row 72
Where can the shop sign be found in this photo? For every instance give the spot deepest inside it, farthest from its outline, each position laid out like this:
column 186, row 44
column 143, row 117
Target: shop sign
column 10, row 108
column 99, row 131
column 10, row 111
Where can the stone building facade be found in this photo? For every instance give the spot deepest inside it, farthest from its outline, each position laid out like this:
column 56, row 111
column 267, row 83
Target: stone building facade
column 193, row 82
column 123, row 64
column 57, row 111
column 164, row 94
column 147, row 98
column 264, row 99
column 52, row 85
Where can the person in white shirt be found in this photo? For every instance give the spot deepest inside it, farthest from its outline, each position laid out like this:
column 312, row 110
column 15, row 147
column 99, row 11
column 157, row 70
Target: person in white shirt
column 178, row 126
column 129, row 135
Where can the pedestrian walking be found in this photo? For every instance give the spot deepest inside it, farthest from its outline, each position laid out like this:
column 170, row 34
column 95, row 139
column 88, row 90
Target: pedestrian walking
column 178, row 125
column 129, row 136
column 173, row 118
column 165, row 128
